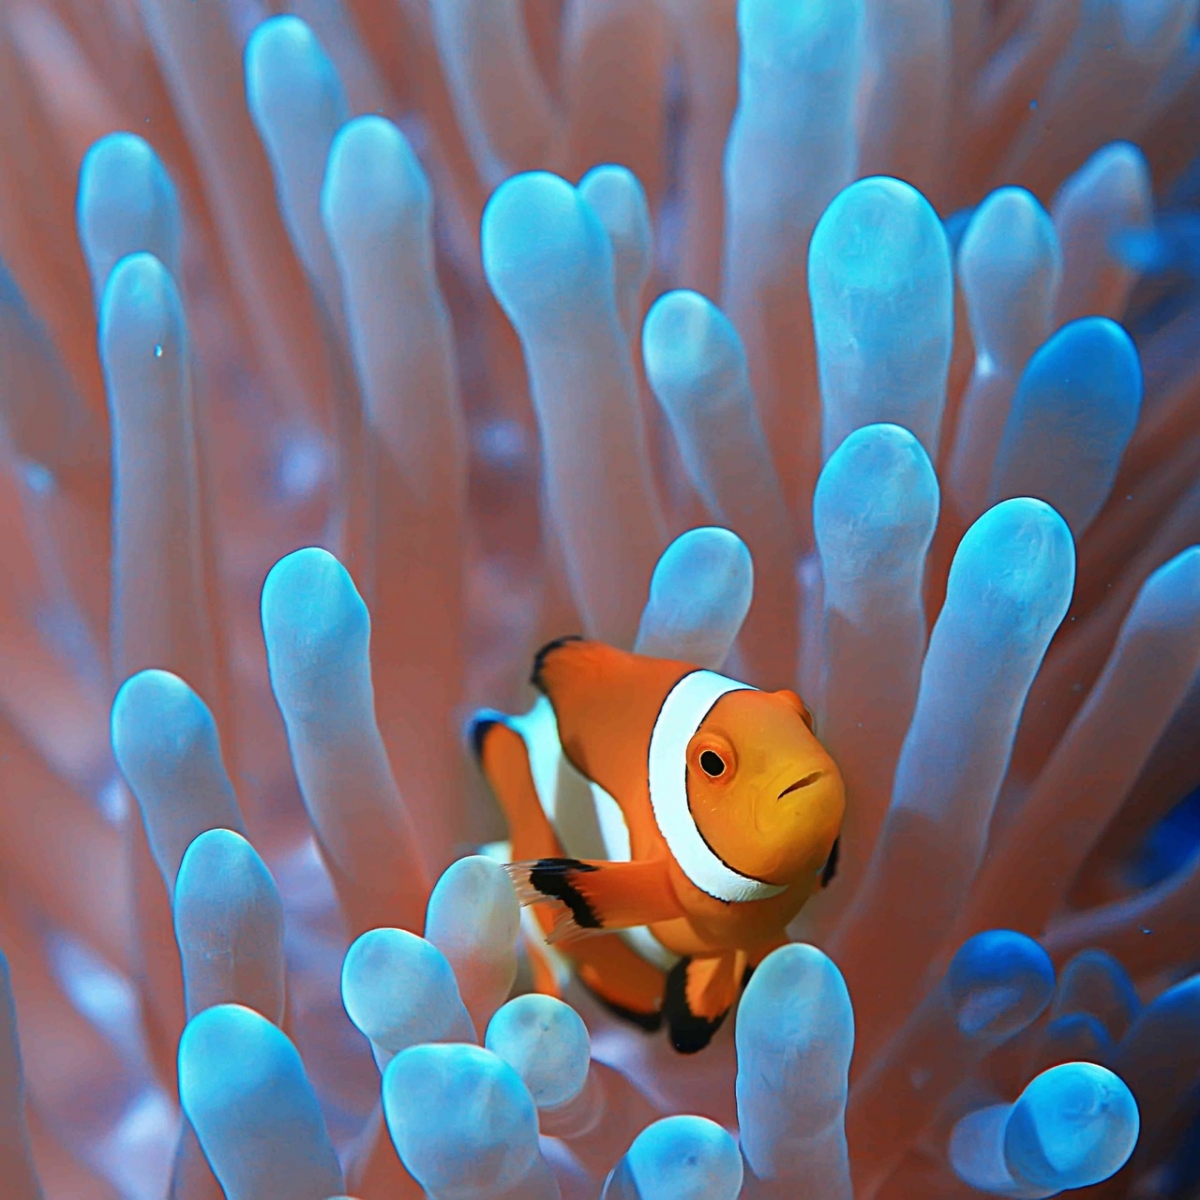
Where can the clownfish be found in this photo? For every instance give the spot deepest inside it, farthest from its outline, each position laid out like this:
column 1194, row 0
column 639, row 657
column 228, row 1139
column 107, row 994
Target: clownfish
column 666, row 822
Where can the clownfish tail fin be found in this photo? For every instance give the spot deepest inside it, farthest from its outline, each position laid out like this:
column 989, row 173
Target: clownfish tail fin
column 597, row 896
column 829, row 870
column 539, row 659
column 476, row 727
column 503, row 758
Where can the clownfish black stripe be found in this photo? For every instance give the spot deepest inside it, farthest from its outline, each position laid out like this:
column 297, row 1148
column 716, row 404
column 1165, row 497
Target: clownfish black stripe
column 830, row 868
column 552, row 877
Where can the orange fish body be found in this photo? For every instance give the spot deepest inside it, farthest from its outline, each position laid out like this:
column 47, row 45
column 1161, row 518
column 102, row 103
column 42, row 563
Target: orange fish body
column 667, row 823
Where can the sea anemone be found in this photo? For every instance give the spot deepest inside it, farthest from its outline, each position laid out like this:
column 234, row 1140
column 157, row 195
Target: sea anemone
column 847, row 345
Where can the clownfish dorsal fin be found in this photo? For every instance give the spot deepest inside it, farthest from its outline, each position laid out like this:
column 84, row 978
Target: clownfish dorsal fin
column 536, row 676
column 606, row 702
column 596, row 897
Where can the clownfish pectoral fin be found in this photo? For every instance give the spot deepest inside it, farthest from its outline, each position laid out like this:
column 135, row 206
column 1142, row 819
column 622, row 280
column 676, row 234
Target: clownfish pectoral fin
column 700, row 992
column 597, row 896
column 829, row 870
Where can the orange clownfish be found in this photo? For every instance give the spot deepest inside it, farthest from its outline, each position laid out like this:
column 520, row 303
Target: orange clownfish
column 666, row 823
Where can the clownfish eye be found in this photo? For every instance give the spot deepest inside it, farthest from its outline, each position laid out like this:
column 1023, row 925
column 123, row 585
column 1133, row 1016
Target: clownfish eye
column 712, row 764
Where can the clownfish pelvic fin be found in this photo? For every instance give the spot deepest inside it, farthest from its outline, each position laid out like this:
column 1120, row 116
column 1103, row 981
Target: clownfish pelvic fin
column 699, row 994
column 597, row 897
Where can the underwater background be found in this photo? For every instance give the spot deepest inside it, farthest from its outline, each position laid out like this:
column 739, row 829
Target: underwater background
column 350, row 350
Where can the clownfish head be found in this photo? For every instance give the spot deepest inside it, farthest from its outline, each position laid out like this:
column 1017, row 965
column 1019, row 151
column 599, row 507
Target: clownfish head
column 745, row 797
column 763, row 792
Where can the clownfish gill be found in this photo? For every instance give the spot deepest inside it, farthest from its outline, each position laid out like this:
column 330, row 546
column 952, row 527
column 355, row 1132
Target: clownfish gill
column 811, row 778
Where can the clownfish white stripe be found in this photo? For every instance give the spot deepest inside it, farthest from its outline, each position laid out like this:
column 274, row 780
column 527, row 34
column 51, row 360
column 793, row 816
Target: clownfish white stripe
column 682, row 713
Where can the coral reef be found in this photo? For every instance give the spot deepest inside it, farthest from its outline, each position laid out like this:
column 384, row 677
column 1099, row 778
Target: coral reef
column 352, row 349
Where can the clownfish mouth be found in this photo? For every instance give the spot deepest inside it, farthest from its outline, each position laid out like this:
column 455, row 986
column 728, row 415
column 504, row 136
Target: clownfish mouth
column 810, row 778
